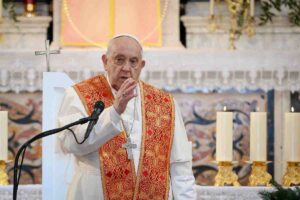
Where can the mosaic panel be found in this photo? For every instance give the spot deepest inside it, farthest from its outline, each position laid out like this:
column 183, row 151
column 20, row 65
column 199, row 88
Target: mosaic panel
column 25, row 121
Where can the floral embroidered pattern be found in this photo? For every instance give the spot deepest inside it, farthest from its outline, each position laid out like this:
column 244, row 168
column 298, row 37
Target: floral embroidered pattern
column 158, row 128
column 118, row 174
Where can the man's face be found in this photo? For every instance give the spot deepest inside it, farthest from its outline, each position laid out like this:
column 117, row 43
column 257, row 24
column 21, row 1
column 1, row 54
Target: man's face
column 123, row 61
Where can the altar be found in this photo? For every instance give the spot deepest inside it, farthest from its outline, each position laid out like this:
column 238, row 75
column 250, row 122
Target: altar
column 25, row 192
column 34, row 192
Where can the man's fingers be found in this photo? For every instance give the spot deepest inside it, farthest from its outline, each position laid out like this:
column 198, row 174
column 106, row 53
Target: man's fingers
column 125, row 94
column 127, row 83
column 129, row 90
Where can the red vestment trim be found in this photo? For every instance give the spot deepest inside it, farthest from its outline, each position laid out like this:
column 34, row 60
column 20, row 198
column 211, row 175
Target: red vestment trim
column 118, row 174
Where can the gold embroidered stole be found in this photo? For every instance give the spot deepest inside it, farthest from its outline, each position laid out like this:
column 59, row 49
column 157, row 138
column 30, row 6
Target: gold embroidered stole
column 117, row 172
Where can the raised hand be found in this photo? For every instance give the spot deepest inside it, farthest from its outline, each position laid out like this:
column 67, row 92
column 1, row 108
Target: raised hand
column 124, row 95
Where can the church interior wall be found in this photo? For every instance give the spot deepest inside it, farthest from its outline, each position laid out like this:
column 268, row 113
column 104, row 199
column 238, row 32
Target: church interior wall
column 268, row 78
column 198, row 110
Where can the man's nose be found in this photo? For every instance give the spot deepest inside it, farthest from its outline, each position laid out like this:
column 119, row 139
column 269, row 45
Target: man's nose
column 126, row 66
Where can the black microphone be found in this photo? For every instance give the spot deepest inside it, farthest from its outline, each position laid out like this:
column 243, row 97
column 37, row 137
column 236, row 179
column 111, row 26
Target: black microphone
column 98, row 108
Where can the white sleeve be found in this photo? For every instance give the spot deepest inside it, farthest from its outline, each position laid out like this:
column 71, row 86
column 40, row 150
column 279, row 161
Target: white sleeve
column 71, row 110
column 182, row 178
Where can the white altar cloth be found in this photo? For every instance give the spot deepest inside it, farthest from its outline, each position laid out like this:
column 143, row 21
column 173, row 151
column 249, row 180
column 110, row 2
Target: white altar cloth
column 229, row 193
column 25, row 192
column 34, row 192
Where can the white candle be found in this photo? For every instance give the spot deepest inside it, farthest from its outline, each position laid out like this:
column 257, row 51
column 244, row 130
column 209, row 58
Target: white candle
column 258, row 136
column 224, row 136
column 211, row 7
column 292, row 109
column 252, row 5
column 3, row 135
column 292, row 136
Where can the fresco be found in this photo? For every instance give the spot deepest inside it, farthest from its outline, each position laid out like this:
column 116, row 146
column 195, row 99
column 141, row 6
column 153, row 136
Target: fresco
column 25, row 121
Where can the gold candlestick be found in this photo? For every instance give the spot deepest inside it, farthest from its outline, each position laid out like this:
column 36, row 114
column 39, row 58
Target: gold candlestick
column 292, row 175
column 259, row 175
column 234, row 7
column 3, row 174
column 212, row 27
column 251, row 27
column 225, row 175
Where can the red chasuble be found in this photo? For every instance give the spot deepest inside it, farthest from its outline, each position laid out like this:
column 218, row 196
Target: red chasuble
column 118, row 175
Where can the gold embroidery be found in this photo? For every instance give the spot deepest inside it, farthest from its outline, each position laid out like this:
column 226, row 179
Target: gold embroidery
column 158, row 115
column 118, row 174
column 153, row 174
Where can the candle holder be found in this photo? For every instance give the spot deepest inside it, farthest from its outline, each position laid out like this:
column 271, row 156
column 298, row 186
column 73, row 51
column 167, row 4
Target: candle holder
column 212, row 23
column 292, row 175
column 225, row 175
column 251, row 27
column 259, row 175
column 3, row 174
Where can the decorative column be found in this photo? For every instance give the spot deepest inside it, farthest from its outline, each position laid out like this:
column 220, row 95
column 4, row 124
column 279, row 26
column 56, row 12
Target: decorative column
column 28, row 33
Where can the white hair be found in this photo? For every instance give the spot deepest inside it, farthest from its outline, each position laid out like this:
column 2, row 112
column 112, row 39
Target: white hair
column 124, row 35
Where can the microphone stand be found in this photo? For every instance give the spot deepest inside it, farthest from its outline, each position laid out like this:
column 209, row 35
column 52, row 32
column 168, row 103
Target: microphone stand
column 17, row 173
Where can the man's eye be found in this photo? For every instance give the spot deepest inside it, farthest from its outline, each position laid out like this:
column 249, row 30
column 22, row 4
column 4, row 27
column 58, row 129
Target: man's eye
column 133, row 62
column 119, row 60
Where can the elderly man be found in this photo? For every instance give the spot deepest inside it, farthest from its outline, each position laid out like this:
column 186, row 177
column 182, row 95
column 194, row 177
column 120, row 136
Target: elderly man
column 138, row 149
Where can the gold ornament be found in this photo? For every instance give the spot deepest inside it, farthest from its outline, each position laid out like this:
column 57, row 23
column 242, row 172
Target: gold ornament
column 292, row 175
column 259, row 175
column 241, row 20
column 251, row 27
column 212, row 24
column 3, row 174
column 225, row 175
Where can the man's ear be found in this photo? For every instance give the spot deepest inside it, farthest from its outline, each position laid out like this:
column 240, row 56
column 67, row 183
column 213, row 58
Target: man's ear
column 143, row 63
column 104, row 61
